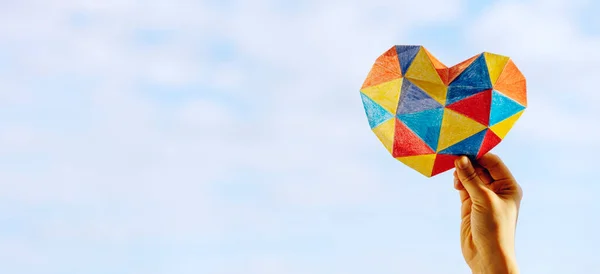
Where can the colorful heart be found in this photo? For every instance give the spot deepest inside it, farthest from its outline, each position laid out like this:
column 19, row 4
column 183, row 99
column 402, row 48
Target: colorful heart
column 426, row 114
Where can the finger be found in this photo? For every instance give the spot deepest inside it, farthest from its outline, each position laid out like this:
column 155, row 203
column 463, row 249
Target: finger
column 483, row 174
column 507, row 188
column 457, row 184
column 464, row 195
column 469, row 178
column 465, row 208
column 495, row 167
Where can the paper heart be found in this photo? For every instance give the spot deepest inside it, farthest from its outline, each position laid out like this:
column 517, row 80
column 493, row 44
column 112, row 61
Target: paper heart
column 426, row 114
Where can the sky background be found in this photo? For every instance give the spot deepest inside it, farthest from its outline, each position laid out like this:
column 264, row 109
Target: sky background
column 226, row 137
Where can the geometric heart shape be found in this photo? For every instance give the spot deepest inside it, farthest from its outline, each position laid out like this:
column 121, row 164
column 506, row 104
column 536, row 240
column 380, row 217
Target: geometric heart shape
column 427, row 114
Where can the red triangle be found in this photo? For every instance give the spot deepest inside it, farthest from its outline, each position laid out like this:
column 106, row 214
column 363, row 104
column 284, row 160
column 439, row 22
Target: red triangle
column 443, row 162
column 490, row 141
column 407, row 143
column 476, row 107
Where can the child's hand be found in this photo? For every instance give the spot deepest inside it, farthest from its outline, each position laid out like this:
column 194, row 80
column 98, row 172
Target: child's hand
column 490, row 205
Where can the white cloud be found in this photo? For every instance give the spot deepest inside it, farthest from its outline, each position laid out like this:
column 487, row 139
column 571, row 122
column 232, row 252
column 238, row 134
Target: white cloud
column 128, row 157
column 144, row 169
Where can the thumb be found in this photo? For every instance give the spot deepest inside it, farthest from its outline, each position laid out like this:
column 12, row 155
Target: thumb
column 470, row 179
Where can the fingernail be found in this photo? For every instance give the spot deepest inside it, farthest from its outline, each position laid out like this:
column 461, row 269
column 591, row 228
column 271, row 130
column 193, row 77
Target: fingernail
column 463, row 162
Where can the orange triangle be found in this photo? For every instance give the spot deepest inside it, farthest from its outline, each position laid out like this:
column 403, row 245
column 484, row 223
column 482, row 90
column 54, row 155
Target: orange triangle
column 444, row 74
column 385, row 69
column 441, row 69
column 512, row 83
column 456, row 70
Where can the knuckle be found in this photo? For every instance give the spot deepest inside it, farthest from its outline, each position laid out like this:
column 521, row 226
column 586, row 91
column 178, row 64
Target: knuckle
column 491, row 161
column 520, row 191
column 470, row 176
column 495, row 163
column 495, row 157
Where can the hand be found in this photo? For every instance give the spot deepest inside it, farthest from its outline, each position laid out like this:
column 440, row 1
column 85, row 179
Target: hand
column 490, row 207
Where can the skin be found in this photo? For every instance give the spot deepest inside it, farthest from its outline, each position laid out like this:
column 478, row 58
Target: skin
column 490, row 198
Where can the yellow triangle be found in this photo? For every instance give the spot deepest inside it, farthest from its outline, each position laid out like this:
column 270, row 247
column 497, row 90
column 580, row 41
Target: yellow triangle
column 455, row 128
column 436, row 91
column 386, row 94
column 502, row 128
column 422, row 69
column 385, row 133
column 495, row 64
column 421, row 163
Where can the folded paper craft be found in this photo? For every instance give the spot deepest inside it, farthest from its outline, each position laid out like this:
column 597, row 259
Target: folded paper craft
column 427, row 115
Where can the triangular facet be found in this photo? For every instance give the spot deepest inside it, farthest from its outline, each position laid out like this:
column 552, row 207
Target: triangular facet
column 435, row 91
column 407, row 143
column 385, row 69
column 406, row 54
column 490, row 141
column 516, row 91
column 414, row 99
column 376, row 114
column 501, row 129
column 456, row 70
column 512, row 83
column 422, row 163
column 503, row 107
column 441, row 69
column 385, row 94
column 385, row 133
column 495, row 64
column 426, row 124
column 443, row 163
column 476, row 107
column 422, row 69
column 469, row 146
column 455, row 128
column 473, row 79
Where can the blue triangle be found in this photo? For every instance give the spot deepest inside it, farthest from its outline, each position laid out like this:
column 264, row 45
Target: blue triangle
column 469, row 147
column 375, row 113
column 502, row 108
column 406, row 54
column 475, row 78
column 426, row 124
column 414, row 99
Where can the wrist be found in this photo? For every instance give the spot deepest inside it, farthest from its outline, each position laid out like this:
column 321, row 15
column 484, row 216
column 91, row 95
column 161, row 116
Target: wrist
column 499, row 266
column 500, row 262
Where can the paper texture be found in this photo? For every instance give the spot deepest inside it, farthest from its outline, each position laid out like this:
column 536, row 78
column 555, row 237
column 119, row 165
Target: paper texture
column 426, row 114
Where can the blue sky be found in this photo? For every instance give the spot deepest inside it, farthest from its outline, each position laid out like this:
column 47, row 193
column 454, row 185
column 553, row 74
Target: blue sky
column 226, row 137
